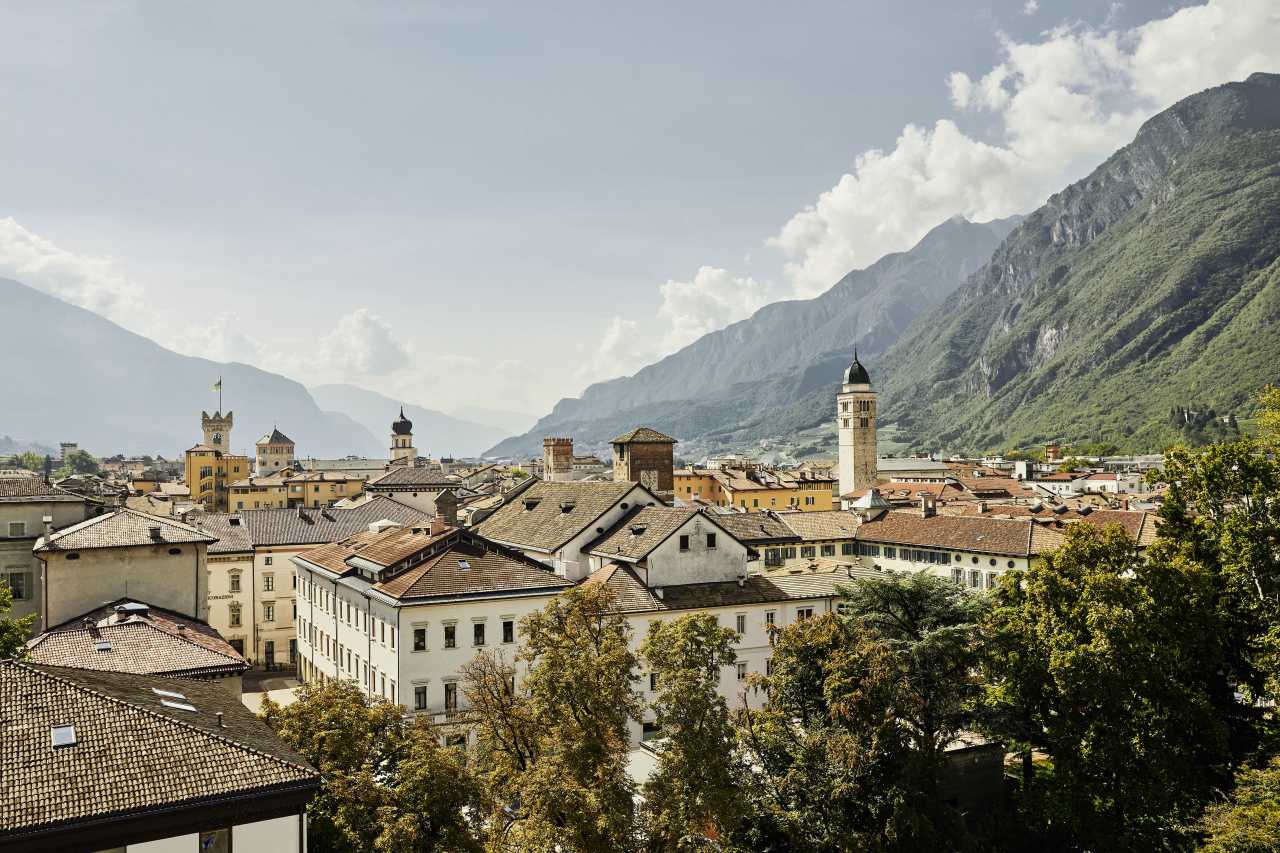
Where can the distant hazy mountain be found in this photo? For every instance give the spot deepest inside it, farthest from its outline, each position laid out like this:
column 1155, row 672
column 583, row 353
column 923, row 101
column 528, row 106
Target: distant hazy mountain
column 433, row 432
column 510, row 422
column 1149, row 286
column 763, row 376
column 71, row 375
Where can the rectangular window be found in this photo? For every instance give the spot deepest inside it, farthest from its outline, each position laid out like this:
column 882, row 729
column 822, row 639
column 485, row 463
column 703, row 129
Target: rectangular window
column 653, row 681
column 17, row 528
column 234, row 615
column 419, row 639
column 450, row 696
column 419, row 698
column 768, row 666
column 828, row 550
column 20, row 583
column 508, row 631
column 392, row 632
column 266, row 561
column 742, row 671
column 711, row 540
column 268, row 612
column 891, row 553
column 382, row 632
column 684, row 542
column 235, row 582
column 772, row 557
column 450, row 636
column 741, row 623
column 808, row 551
column 382, row 679
column 975, row 579
column 769, row 618
column 803, row 613
column 846, row 549
column 268, row 583
column 477, row 632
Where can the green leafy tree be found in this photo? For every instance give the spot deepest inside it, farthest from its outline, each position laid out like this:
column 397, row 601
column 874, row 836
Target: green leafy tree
column 553, row 753
column 826, row 759
column 29, row 461
column 693, row 795
column 1249, row 822
column 79, row 462
column 14, row 632
column 1103, row 661
column 388, row 784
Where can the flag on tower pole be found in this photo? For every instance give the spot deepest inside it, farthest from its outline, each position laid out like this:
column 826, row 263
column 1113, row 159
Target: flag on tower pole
column 217, row 386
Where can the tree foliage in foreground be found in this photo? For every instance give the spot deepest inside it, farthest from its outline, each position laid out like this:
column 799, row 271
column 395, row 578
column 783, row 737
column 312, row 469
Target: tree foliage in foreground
column 553, row 753
column 692, row 795
column 388, row 785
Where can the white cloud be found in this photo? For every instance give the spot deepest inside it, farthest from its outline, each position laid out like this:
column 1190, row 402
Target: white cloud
column 1030, row 7
column 711, row 300
column 97, row 284
column 1063, row 103
column 622, row 350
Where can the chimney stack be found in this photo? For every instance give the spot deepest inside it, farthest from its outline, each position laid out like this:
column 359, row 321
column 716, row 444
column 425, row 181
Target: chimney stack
column 447, row 507
column 928, row 506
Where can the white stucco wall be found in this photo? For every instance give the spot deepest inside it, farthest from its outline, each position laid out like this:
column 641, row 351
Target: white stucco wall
column 142, row 572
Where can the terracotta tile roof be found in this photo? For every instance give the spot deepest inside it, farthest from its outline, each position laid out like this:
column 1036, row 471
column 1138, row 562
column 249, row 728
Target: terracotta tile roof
column 423, row 478
column 119, row 529
column 644, row 435
column 1141, row 526
column 28, row 489
column 462, row 563
column 750, row 528
column 151, row 503
column 748, row 479
column 547, row 515
column 632, row 596
column 313, row 526
column 828, row 524
column 131, row 755
column 137, row 638
column 639, row 531
column 233, row 536
column 259, row 482
column 175, row 490
column 471, row 567
column 1011, row 537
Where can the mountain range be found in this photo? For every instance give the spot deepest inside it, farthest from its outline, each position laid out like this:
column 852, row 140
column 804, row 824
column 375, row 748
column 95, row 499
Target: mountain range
column 434, row 433
column 1150, row 286
column 744, row 381
column 76, row 376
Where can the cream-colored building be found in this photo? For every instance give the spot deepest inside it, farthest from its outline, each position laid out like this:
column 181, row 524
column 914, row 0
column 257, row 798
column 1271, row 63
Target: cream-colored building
column 29, row 509
column 124, row 554
column 275, row 451
column 253, row 598
column 856, row 429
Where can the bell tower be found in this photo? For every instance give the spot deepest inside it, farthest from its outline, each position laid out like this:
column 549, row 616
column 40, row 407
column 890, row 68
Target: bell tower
column 856, row 427
column 217, row 430
column 402, row 439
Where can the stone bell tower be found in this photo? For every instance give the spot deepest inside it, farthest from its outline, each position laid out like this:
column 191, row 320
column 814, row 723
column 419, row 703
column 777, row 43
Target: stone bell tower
column 402, row 440
column 856, row 426
column 217, row 430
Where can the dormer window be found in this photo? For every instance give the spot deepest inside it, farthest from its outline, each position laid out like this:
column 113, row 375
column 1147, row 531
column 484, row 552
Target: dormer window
column 638, row 529
column 531, row 504
column 567, row 506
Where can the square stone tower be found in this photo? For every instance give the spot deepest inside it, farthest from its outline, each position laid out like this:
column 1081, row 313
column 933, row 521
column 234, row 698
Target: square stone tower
column 647, row 457
column 856, row 427
column 217, row 430
column 557, row 460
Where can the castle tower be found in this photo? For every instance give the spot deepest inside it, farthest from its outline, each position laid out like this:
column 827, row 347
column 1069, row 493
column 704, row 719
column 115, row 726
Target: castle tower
column 217, row 430
column 275, row 452
column 557, row 459
column 856, row 426
column 402, row 439
column 646, row 456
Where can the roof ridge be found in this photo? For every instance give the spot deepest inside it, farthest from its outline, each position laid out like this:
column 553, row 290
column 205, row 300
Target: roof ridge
column 155, row 714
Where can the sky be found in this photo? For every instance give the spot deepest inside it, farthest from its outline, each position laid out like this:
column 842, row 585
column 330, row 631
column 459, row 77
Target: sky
column 495, row 204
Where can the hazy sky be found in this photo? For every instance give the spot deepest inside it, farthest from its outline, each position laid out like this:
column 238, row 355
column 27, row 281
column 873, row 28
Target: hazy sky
column 494, row 204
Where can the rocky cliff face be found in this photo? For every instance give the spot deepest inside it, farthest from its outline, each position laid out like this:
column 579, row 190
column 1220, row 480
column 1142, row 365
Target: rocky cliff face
column 1116, row 271
column 748, row 379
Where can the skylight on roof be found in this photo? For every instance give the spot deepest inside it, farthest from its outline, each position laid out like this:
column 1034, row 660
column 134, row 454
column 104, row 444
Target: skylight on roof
column 103, row 645
column 172, row 694
column 178, row 706
column 464, row 566
column 61, row 736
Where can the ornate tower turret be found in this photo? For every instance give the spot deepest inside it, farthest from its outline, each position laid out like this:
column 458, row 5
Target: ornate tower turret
column 856, row 426
column 402, row 439
column 217, row 430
